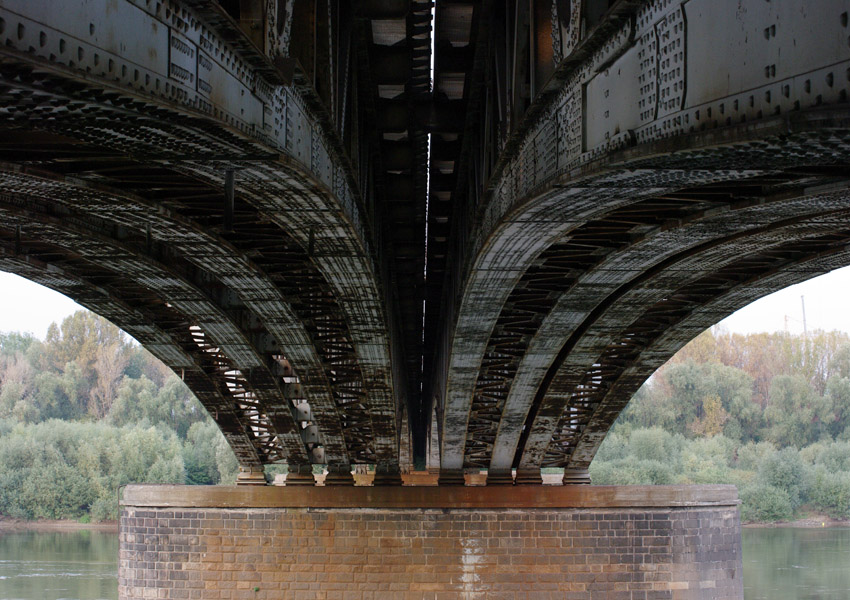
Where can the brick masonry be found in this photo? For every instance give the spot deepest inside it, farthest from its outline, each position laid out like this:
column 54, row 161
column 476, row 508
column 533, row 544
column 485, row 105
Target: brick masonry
column 690, row 550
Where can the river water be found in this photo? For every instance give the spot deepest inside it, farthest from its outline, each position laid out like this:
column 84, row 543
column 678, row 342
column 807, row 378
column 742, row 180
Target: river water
column 779, row 564
column 73, row 565
column 796, row 564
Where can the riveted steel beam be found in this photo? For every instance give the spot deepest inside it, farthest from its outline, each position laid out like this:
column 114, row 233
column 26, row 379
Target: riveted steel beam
column 214, row 329
column 165, row 338
column 698, row 307
column 586, row 267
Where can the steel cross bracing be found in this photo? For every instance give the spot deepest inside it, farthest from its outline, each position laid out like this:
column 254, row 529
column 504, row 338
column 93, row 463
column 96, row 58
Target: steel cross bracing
column 247, row 188
column 620, row 172
column 159, row 126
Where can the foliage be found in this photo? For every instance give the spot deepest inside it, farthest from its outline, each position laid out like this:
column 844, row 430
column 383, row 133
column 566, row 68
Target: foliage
column 762, row 502
column 830, row 492
column 87, row 411
column 768, row 412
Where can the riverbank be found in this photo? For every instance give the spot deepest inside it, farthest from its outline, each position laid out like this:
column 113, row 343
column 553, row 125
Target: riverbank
column 8, row 524
column 810, row 521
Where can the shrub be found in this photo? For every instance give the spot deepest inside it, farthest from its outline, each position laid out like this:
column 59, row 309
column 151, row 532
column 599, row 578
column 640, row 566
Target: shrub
column 105, row 508
column 786, row 471
column 830, row 492
column 631, row 471
column 761, row 502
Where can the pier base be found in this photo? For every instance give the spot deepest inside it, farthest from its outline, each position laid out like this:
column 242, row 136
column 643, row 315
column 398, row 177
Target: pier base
column 568, row 542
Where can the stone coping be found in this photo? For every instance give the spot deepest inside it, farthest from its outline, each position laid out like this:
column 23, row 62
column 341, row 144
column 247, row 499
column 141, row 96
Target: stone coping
column 460, row 497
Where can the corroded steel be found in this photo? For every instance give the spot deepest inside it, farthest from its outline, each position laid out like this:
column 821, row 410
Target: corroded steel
column 248, row 189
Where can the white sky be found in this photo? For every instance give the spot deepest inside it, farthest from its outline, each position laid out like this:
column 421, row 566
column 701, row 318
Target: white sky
column 26, row 306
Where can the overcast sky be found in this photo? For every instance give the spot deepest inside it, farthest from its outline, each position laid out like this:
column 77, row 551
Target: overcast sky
column 25, row 306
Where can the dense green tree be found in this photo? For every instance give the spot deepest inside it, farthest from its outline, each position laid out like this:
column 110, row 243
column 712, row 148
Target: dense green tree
column 172, row 405
column 830, row 492
column 199, row 454
column 762, row 502
column 796, row 413
column 785, row 470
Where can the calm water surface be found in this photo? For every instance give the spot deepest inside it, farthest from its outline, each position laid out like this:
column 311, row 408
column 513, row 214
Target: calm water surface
column 74, row 565
column 779, row 564
column 796, row 564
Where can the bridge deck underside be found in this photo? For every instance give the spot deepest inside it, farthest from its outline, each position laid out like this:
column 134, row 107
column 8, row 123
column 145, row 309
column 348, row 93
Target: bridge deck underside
column 271, row 283
column 255, row 211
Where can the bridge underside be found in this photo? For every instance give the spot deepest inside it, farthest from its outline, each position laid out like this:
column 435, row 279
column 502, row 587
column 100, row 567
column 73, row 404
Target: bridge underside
column 353, row 261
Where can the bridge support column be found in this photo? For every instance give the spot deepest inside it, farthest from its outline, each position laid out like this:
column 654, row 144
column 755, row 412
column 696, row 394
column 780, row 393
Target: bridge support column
column 387, row 474
column 576, row 476
column 528, row 477
column 500, row 477
column 300, row 475
column 222, row 543
column 339, row 475
column 451, row 477
column 251, row 476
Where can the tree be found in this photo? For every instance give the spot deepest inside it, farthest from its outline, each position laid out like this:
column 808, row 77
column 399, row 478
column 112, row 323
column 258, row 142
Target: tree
column 830, row 492
column 796, row 413
column 13, row 343
column 109, row 366
column 714, row 417
column 200, row 453
column 761, row 502
column 81, row 339
column 837, row 400
column 786, row 471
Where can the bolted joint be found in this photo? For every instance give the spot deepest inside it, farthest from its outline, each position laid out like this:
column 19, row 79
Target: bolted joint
column 387, row 473
column 500, row 477
column 300, row 475
column 529, row 477
column 451, row 477
column 576, row 477
column 251, row 476
column 339, row 474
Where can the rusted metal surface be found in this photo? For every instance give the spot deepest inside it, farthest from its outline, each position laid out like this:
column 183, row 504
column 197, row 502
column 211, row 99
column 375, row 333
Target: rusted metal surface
column 783, row 266
column 712, row 222
column 600, row 347
column 255, row 389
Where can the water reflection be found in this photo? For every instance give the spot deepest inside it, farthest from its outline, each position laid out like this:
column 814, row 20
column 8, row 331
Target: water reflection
column 796, row 564
column 75, row 565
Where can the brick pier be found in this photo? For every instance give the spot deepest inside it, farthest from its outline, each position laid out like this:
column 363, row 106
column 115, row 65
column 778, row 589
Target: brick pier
column 359, row 543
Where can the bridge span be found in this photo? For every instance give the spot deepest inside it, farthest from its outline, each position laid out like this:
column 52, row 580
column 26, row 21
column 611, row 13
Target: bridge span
column 457, row 234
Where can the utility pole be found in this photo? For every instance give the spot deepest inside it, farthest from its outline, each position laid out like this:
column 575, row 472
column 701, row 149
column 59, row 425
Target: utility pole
column 805, row 331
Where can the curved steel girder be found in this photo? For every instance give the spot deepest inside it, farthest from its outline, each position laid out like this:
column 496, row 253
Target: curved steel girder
column 570, row 393
column 575, row 131
column 509, row 253
column 583, row 272
column 179, row 287
column 279, row 188
column 172, row 344
column 524, row 230
column 658, row 350
column 341, row 272
column 162, row 229
column 577, row 368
